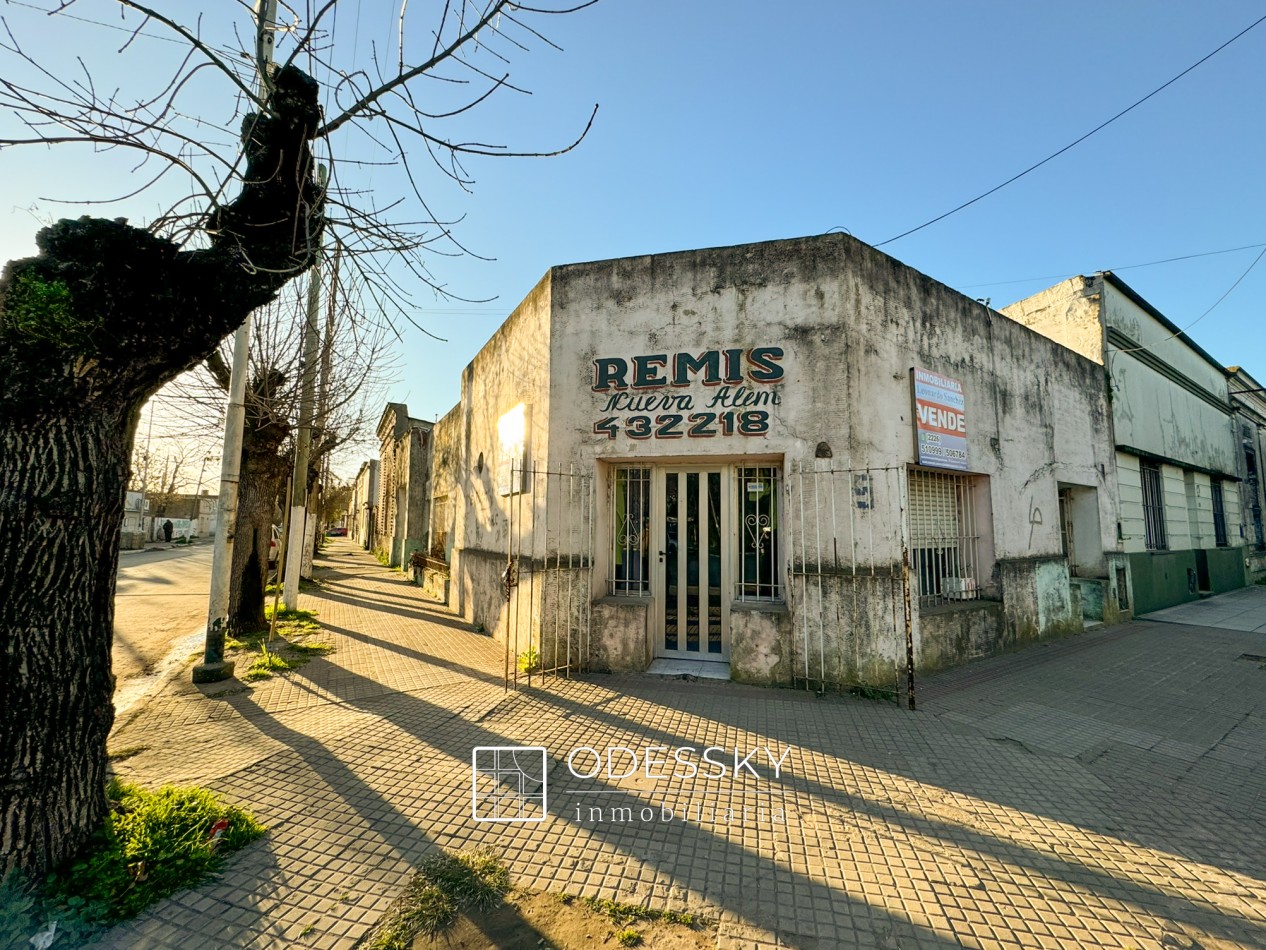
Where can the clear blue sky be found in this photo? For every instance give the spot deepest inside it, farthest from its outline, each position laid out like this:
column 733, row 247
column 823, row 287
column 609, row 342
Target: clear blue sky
column 722, row 123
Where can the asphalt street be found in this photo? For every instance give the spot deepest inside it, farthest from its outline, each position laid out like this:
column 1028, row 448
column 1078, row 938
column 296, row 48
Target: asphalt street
column 160, row 611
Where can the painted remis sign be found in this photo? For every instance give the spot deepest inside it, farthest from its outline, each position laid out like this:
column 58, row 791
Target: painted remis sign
column 940, row 420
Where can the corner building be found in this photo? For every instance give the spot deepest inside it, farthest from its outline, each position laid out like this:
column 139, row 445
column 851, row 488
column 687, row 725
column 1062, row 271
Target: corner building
column 797, row 462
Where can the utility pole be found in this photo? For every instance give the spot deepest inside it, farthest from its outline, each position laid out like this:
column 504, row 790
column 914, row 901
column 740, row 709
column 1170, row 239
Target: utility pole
column 149, row 433
column 214, row 667
column 303, row 440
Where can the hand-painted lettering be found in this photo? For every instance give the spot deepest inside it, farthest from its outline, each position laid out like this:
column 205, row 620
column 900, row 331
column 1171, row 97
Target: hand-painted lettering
column 609, row 373
column 646, row 374
column 764, row 363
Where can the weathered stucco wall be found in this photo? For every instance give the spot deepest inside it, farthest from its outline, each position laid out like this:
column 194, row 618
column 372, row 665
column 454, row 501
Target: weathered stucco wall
column 1067, row 313
column 1170, row 405
column 1250, row 420
column 362, row 506
column 850, row 323
column 512, row 369
column 448, row 465
column 417, row 506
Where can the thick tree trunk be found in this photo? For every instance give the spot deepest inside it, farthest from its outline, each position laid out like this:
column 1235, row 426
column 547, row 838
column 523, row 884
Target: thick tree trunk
column 61, row 507
column 89, row 328
column 258, row 492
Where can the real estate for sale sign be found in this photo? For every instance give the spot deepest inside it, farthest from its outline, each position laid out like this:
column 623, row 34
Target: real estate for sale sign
column 940, row 420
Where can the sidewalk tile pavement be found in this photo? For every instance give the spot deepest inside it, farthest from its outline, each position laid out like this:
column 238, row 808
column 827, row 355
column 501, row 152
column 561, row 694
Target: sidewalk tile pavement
column 1102, row 791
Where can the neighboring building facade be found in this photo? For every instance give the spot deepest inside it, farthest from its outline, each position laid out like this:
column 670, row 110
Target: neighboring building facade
column 1249, row 400
column 1177, row 456
column 133, row 533
column 792, row 462
column 403, row 484
column 362, row 507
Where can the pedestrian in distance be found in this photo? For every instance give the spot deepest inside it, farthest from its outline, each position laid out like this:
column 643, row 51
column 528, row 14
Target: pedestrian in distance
column 168, row 528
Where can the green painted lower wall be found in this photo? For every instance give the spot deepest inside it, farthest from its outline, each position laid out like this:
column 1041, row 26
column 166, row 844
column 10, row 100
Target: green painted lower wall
column 1160, row 579
column 1226, row 569
column 1164, row 578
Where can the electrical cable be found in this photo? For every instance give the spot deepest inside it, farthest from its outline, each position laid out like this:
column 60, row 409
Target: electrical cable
column 1166, row 260
column 1102, row 125
column 1212, row 307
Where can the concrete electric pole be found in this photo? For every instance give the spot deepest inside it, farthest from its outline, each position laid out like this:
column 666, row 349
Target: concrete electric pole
column 297, row 541
column 214, row 667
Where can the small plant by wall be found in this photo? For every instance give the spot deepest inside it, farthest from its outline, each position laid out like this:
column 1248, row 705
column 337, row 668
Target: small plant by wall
column 529, row 661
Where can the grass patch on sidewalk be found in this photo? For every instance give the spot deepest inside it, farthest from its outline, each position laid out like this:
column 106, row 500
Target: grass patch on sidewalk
column 465, row 900
column 289, row 649
column 445, row 887
column 151, row 844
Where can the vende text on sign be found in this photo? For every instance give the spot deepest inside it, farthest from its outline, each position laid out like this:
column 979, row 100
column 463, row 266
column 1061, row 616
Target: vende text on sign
column 940, row 420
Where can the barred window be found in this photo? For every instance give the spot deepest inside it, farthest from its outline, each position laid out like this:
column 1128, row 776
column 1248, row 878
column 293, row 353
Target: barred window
column 630, row 531
column 944, row 539
column 1219, row 514
column 1153, row 507
column 758, row 575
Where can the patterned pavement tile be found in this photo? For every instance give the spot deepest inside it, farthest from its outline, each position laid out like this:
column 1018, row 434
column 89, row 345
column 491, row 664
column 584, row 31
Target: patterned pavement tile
column 1103, row 791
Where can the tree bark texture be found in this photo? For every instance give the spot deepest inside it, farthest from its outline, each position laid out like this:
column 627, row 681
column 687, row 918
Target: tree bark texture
column 89, row 329
column 60, row 514
column 263, row 478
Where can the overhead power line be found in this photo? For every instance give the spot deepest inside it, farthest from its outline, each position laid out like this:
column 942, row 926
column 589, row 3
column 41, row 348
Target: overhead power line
column 1212, row 307
column 1065, row 276
column 1097, row 128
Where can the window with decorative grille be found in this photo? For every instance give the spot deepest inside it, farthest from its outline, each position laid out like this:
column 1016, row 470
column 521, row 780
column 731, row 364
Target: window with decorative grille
column 944, row 542
column 630, row 531
column 759, row 488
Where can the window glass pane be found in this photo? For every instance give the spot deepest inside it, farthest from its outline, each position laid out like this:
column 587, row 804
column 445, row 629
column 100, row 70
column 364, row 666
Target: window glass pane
column 758, row 490
column 690, row 521
column 630, row 520
column 714, row 562
column 671, row 540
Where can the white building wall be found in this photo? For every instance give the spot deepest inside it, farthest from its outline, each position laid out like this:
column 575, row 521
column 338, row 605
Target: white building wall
column 1130, row 489
column 1154, row 414
column 850, row 324
column 1128, row 318
column 1067, row 313
column 1170, row 403
column 513, row 368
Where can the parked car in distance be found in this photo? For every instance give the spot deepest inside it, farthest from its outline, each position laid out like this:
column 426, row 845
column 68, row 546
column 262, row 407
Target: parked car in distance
column 336, row 532
column 274, row 544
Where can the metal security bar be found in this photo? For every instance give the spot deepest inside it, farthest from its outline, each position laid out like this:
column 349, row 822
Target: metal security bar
column 630, row 518
column 759, row 491
column 848, row 579
column 548, row 575
column 1219, row 513
column 944, row 541
column 1153, row 507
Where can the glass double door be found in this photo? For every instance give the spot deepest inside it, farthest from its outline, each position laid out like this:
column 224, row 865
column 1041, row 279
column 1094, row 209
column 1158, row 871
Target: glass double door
column 693, row 569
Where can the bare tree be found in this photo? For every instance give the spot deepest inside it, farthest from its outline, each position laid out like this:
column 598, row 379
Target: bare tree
column 357, row 352
column 107, row 312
